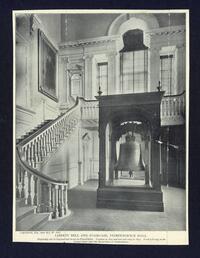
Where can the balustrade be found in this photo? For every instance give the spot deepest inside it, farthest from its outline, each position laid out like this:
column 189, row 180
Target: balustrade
column 45, row 193
column 172, row 109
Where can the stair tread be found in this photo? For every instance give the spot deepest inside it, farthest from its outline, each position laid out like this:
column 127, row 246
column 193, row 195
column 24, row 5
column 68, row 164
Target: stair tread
column 20, row 211
column 31, row 221
column 33, row 130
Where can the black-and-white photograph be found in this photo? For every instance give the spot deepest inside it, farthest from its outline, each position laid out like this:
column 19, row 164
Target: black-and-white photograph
column 101, row 122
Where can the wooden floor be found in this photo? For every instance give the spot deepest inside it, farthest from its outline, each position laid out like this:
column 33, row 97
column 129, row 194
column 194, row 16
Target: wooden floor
column 85, row 216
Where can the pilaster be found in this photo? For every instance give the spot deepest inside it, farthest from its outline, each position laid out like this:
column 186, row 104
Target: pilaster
column 63, row 85
column 111, row 72
column 180, row 67
column 154, row 68
column 88, row 77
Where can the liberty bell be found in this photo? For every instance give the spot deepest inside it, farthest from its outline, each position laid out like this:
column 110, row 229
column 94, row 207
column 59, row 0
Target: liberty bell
column 130, row 156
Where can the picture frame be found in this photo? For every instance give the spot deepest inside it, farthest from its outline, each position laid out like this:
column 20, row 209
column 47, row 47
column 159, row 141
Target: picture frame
column 47, row 67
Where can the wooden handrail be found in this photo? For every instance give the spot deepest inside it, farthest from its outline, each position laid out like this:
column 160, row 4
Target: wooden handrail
column 88, row 100
column 176, row 95
column 46, row 126
column 35, row 172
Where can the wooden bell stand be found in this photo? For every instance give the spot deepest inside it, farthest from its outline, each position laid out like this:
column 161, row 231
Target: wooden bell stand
column 114, row 110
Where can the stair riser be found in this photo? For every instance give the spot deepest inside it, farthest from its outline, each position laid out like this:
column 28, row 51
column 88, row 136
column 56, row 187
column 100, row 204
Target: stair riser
column 19, row 218
column 36, row 226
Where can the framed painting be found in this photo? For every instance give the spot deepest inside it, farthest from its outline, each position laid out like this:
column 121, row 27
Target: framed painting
column 47, row 67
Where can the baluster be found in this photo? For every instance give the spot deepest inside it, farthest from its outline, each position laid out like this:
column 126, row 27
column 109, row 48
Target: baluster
column 167, row 109
column 36, row 152
column 53, row 138
column 33, row 158
column 182, row 104
column 39, row 193
column 63, row 129
column 175, row 107
column 59, row 132
column 49, row 141
column 171, row 106
column 61, row 200
column 56, row 136
column 17, row 181
column 30, row 190
column 40, row 150
column 45, row 144
column 53, row 199
column 66, row 130
column 65, row 200
column 43, row 148
column 56, row 202
column 50, row 197
column 25, row 186
column 29, row 154
column 35, row 198
column 179, row 106
column 24, row 153
column 22, row 183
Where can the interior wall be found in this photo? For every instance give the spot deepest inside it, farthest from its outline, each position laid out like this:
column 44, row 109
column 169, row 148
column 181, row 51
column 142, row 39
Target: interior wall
column 37, row 105
column 63, row 165
column 82, row 26
column 52, row 26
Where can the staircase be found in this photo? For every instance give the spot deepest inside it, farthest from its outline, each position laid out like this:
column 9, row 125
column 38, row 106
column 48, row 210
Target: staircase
column 31, row 132
column 40, row 198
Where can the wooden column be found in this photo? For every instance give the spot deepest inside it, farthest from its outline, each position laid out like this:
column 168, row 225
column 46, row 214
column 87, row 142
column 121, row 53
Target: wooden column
column 155, row 165
column 112, row 159
column 102, row 154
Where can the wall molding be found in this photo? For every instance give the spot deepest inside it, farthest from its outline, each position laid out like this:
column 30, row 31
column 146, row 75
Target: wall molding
column 167, row 31
column 25, row 109
column 90, row 41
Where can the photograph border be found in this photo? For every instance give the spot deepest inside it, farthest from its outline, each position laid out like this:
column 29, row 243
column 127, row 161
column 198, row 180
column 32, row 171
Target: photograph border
column 173, row 238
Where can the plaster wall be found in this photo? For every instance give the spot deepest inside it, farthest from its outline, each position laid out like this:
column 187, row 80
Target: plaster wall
column 37, row 105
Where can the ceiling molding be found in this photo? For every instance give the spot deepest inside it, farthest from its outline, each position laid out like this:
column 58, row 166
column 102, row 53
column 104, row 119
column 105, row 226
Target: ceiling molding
column 90, row 41
column 167, row 30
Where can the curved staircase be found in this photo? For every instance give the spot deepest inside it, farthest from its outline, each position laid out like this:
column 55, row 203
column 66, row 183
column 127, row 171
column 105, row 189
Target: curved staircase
column 40, row 198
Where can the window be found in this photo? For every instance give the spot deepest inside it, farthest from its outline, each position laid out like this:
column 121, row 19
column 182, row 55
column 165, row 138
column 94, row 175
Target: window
column 102, row 77
column 134, row 71
column 76, row 85
column 166, row 73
